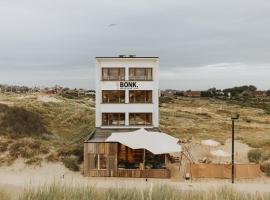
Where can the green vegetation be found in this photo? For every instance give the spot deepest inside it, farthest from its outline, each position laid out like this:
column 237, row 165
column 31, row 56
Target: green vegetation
column 246, row 90
column 207, row 118
column 161, row 192
column 254, row 155
column 37, row 130
column 71, row 163
column 265, row 167
column 59, row 128
column 19, row 121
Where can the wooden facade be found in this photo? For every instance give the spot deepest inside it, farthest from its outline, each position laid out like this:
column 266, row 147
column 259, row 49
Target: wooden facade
column 101, row 160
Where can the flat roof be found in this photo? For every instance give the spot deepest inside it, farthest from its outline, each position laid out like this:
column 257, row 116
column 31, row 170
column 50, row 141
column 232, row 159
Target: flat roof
column 101, row 134
column 127, row 57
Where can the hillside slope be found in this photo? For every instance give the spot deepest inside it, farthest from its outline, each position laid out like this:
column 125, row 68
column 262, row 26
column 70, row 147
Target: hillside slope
column 52, row 128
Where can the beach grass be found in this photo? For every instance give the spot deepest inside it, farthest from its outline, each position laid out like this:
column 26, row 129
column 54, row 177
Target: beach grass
column 157, row 192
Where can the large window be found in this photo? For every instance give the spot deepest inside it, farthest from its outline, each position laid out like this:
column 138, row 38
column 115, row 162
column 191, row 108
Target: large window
column 113, row 96
column 140, row 96
column 113, row 74
column 113, row 119
column 140, row 119
column 140, row 74
column 97, row 161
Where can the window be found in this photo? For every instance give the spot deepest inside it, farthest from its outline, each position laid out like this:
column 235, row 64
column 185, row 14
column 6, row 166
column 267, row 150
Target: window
column 113, row 119
column 97, row 161
column 140, row 96
column 140, row 74
column 102, row 161
column 140, row 119
column 113, row 96
column 113, row 74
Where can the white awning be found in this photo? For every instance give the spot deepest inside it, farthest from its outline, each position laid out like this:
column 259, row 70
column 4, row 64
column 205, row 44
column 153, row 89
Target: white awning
column 156, row 142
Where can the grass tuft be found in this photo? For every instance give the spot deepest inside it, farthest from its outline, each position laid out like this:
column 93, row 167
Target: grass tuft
column 152, row 192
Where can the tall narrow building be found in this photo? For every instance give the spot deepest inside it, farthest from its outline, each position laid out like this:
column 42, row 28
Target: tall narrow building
column 127, row 92
column 126, row 141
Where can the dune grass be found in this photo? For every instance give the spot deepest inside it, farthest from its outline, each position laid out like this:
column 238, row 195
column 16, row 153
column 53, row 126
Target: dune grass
column 157, row 192
column 3, row 195
column 202, row 118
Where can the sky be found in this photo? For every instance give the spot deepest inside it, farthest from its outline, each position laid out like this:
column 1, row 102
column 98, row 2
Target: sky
column 201, row 43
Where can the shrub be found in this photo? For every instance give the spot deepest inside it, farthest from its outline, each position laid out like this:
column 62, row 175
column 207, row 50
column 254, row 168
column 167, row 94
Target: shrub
column 72, row 150
column 52, row 157
column 33, row 160
column 266, row 153
column 27, row 148
column 71, row 163
column 19, row 121
column 3, row 146
column 265, row 167
column 254, row 155
column 165, row 99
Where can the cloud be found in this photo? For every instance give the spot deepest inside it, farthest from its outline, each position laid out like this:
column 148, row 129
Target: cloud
column 55, row 36
column 220, row 75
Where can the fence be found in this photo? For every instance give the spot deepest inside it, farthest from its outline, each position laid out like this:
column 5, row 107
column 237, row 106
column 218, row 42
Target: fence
column 202, row 170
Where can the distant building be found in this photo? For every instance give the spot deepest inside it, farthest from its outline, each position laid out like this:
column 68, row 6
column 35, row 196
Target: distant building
column 192, row 94
column 260, row 94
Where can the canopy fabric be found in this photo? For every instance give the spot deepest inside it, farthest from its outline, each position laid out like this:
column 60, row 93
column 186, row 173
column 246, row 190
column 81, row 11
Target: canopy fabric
column 211, row 143
column 220, row 153
column 155, row 142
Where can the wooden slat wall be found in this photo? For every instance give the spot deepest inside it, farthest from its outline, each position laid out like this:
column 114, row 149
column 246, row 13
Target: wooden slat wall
column 91, row 149
column 131, row 173
column 85, row 159
column 111, row 150
column 102, row 148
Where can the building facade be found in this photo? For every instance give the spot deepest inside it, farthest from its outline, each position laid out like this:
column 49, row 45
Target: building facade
column 127, row 92
column 127, row 100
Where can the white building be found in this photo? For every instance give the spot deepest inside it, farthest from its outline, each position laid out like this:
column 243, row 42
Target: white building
column 127, row 141
column 127, row 92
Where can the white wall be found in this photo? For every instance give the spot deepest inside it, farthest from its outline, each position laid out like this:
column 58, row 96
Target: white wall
column 114, row 85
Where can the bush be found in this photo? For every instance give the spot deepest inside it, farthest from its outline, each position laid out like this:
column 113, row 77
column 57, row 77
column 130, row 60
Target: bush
column 27, row 148
column 265, row 167
column 19, row 121
column 34, row 160
column 165, row 99
column 52, row 157
column 71, row 163
column 266, row 153
column 3, row 146
column 254, row 155
column 72, row 150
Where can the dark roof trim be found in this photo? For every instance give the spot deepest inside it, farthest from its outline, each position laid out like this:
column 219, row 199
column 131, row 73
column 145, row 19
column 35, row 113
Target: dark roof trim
column 127, row 57
column 90, row 135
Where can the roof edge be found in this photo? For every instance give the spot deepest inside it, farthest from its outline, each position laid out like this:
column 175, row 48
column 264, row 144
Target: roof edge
column 99, row 57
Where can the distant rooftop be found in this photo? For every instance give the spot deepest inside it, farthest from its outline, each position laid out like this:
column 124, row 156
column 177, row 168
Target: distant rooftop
column 127, row 56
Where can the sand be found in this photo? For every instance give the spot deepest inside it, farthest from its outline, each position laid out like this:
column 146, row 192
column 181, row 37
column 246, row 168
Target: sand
column 48, row 99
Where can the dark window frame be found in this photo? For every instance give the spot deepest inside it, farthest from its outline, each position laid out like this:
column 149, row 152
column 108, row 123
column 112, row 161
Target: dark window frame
column 135, row 78
column 118, row 93
column 147, row 94
column 108, row 119
column 145, row 116
column 120, row 78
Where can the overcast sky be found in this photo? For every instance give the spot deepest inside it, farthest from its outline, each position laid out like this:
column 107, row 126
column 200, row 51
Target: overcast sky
column 201, row 43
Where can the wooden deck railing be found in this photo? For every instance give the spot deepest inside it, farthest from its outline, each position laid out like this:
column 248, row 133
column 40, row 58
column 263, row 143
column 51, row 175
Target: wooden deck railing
column 131, row 173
